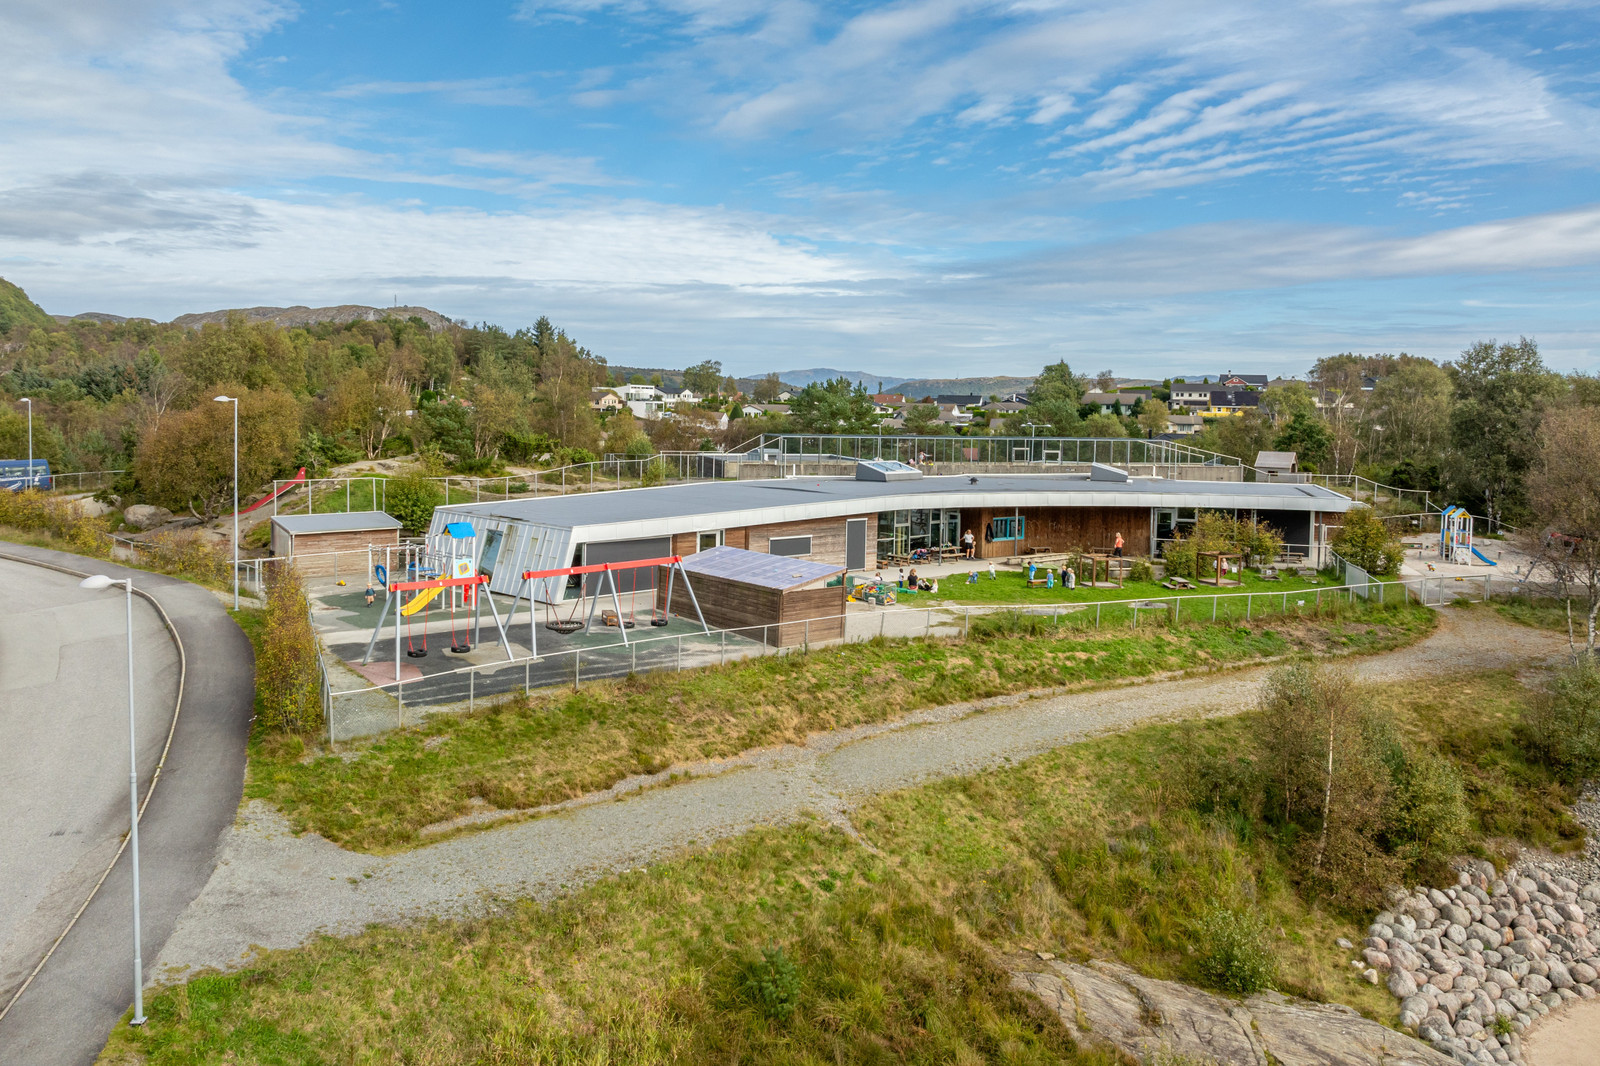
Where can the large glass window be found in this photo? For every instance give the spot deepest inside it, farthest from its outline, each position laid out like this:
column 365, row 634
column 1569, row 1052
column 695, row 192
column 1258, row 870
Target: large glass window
column 711, row 538
column 902, row 532
column 1011, row 527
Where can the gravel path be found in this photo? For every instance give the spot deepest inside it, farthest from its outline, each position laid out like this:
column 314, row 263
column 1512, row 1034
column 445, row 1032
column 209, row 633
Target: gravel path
column 273, row 889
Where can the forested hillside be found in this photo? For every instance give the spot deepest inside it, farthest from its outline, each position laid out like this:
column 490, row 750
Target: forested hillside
column 136, row 395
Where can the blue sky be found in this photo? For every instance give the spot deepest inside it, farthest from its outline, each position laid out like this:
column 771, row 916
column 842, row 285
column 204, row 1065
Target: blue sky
column 924, row 188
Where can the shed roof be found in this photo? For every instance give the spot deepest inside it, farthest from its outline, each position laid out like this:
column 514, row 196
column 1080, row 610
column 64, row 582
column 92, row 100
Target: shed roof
column 1276, row 460
column 758, row 568
column 337, row 522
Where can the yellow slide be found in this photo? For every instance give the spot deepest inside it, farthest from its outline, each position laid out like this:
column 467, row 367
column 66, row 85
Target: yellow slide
column 419, row 602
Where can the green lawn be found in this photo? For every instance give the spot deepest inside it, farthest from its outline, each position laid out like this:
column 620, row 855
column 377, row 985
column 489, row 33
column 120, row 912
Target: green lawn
column 1011, row 587
column 526, row 753
column 899, row 940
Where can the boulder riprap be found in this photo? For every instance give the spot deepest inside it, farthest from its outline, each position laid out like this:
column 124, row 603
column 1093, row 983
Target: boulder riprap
column 1154, row 1021
column 1476, row 964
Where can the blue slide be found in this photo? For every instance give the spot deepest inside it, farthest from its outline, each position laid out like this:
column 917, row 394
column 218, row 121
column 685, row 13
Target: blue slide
column 1484, row 557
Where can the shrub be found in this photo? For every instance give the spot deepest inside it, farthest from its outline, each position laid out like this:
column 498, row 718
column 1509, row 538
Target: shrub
column 1140, row 570
column 188, row 555
column 35, row 512
column 655, row 472
column 1365, row 540
column 288, row 678
column 771, row 984
column 1235, row 954
column 1426, row 819
column 1182, row 556
column 1561, row 729
column 411, row 499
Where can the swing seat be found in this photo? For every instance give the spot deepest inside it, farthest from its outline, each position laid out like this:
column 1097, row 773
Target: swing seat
column 417, row 653
column 564, row 625
column 461, row 649
column 658, row 621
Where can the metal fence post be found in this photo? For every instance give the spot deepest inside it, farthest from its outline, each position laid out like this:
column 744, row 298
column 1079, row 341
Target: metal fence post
column 966, row 622
column 1247, row 598
column 1214, row 608
column 635, row 649
column 577, row 668
column 1097, row 616
column 722, row 653
column 472, row 690
column 680, row 653
column 527, row 671
column 927, row 625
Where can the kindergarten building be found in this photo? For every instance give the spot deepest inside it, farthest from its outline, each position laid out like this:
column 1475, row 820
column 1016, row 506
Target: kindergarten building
column 885, row 511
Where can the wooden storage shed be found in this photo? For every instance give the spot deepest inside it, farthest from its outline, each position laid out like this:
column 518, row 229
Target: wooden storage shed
column 780, row 600
column 306, row 537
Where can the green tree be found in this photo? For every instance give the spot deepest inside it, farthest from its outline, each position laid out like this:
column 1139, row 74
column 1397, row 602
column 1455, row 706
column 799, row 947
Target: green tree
column 1307, row 436
column 1408, row 414
column 703, row 379
column 185, row 459
column 1501, row 391
column 767, row 389
column 923, row 420
column 1283, row 402
column 836, row 406
column 1053, row 403
column 411, row 499
column 1365, row 540
column 1154, row 418
column 1101, row 424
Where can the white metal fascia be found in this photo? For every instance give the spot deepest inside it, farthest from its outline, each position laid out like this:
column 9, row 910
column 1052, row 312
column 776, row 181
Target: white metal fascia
column 852, row 507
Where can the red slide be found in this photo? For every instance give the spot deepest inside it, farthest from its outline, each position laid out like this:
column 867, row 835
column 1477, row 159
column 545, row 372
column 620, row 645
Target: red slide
column 298, row 479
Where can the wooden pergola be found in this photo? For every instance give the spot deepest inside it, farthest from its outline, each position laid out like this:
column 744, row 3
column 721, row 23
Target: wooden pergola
column 1221, row 560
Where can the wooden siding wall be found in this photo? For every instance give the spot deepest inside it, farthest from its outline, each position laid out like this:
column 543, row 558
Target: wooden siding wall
column 779, row 618
column 827, row 538
column 357, row 541
column 1064, row 529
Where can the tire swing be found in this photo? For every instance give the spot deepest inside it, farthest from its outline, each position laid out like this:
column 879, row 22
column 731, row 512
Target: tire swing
column 569, row 624
column 412, row 650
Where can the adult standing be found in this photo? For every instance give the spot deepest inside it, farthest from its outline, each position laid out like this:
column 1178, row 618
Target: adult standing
column 1116, row 547
column 969, row 544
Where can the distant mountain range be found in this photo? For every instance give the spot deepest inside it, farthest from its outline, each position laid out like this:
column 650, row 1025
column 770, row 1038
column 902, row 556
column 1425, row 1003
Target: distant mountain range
column 285, row 317
column 916, row 388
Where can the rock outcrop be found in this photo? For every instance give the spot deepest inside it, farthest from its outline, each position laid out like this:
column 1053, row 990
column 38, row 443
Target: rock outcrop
column 146, row 516
column 1107, row 1003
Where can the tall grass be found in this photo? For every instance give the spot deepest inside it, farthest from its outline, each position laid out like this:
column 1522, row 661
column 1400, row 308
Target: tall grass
column 288, row 679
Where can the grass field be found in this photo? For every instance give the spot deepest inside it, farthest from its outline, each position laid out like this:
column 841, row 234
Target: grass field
column 523, row 754
column 1011, row 587
column 898, row 939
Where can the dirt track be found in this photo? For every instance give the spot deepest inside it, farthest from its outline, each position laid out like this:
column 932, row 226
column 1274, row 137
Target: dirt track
column 276, row 890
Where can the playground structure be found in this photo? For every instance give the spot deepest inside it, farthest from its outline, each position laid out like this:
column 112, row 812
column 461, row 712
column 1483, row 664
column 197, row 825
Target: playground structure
column 608, row 577
column 444, row 565
column 1455, row 538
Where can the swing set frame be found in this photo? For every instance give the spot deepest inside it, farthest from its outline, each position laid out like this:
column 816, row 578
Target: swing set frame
column 393, row 590
column 674, row 564
column 392, row 599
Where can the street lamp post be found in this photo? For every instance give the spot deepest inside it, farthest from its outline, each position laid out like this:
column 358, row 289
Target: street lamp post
column 30, row 438
column 96, row 582
column 235, row 401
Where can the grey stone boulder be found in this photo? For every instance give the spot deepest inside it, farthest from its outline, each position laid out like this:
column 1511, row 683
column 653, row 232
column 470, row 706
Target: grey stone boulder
column 146, row 516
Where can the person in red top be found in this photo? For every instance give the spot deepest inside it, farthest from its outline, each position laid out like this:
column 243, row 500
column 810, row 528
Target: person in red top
column 1116, row 548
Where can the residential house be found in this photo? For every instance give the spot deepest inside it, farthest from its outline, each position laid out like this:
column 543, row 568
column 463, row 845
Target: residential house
column 1108, row 401
column 1242, row 381
column 1279, row 466
column 1184, row 425
column 1232, row 401
column 675, row 397
column 958, row 400
column 889, row 399
column 1191, row 396
column 756, row 410
column 604, row 400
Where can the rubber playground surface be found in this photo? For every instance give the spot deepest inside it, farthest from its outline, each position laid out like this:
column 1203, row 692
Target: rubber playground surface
column 432, row 681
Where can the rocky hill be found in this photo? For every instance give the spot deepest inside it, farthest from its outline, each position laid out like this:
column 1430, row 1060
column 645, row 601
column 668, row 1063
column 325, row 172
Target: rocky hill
column 300, row 315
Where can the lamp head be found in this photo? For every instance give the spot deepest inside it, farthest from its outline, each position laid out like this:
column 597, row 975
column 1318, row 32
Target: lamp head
column 225, row 399
column 97, row 582
column 26, row 401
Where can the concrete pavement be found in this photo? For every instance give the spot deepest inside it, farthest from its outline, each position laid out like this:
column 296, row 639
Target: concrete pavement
column 63, row 1016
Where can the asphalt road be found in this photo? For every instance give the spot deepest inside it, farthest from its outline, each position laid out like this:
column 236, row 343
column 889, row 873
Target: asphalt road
column 64, row 747
column 63, row 1017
